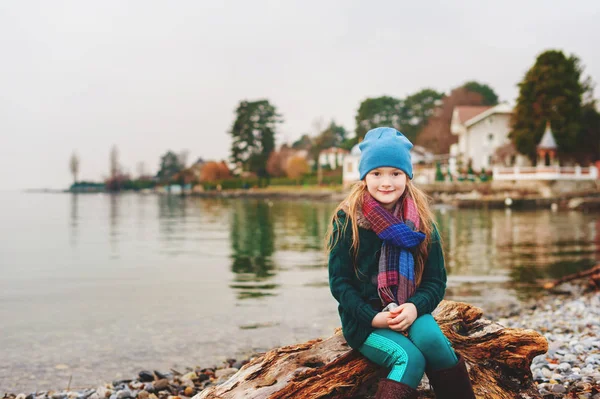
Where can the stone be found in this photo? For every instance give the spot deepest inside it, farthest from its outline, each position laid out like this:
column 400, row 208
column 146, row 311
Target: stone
column 189, row 392
column 143, row 395
column 224, row 373
column 564, row 367
column 124, row 394
column 546, row 373
column 558, row 388
column 161, row 384
column 160, row 375
column 146, row 376
column 190, row 376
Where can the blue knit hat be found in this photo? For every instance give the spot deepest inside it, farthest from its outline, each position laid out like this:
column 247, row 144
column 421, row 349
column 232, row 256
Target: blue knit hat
column 385, row 146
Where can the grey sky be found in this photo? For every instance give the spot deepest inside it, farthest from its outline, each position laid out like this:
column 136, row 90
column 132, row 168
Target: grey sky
column 149, row 76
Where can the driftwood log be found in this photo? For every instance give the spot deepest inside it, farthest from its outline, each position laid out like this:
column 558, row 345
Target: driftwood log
column 592, row 274
column 499, row 361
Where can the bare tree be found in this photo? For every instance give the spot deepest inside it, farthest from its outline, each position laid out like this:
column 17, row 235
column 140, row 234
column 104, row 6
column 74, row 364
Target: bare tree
column 114, row 162
column 141, row 169
column 182, row 157
column 74, row 166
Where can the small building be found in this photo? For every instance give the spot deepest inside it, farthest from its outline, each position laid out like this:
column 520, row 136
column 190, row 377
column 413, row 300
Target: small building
column 332, row 157
column 350, row 174
column 422, row 156
column 548, row 167
column 546, row 149
column 481, row 131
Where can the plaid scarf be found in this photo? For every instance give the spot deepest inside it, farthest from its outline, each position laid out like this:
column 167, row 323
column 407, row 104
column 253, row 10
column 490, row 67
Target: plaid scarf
column 396, row 278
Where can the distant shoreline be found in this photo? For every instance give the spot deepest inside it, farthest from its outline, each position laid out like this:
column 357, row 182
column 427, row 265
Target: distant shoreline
column 459, row 195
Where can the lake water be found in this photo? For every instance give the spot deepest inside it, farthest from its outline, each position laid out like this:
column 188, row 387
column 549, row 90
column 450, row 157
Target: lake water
column 97, row 287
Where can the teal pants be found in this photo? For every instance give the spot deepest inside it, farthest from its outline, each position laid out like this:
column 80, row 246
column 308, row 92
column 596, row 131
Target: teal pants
column 426, row 347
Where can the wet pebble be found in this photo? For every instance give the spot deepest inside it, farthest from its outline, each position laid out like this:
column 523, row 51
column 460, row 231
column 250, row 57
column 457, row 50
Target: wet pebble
column 572, row 327
column 146, row 376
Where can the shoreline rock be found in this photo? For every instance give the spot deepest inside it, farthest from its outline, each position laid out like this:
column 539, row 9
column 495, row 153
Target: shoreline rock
column 569, row 319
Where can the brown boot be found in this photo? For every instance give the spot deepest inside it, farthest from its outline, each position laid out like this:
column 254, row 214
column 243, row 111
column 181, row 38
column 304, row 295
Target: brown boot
column 453, row 382
column 390, row 389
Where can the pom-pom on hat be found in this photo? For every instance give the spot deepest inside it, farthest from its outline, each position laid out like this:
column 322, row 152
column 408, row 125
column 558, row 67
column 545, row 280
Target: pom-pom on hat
column 385, row 146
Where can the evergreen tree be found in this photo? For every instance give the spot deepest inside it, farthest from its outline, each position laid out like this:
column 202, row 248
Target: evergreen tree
column 376, row 112
column 416, row 110
column 170, row 165
column 253, row 134
column 550, row 92
column 589, row 137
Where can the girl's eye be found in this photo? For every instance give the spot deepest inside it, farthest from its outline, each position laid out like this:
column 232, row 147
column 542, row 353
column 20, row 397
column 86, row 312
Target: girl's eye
column 376, row 173
column 396, row 174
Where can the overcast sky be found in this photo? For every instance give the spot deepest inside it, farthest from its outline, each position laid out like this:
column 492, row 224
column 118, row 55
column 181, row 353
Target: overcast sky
column 149, row 76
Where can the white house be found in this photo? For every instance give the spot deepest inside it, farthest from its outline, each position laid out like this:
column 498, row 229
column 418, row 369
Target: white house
column 332, row 157
column 481, row 130
column 350, row 173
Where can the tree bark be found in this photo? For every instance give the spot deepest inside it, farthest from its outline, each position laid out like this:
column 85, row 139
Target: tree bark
column 498, row 358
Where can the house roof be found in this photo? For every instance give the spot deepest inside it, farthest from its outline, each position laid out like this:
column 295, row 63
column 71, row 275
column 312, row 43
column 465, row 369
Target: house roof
column 547, row 142
column 501, row 108
column 466, row 112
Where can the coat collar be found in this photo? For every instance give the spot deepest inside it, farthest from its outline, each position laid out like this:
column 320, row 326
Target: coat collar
column 360, row 218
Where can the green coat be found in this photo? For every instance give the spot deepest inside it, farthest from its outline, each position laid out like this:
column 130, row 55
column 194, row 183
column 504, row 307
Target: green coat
column 355, row 294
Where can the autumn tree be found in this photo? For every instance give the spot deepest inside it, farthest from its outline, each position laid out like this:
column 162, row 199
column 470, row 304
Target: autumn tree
column 436, row 135
column 277, row 162
column 551, row 92
column 253, row 134
column 213, row 171
column 74, row 166
column 489, row 95
column 296, row 167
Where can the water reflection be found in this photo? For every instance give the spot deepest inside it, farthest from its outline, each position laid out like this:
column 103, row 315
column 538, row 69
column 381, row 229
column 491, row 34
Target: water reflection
column 252, row 243
column 74, row 220
column 482, row 247
column 115, row 200
column 521, row 246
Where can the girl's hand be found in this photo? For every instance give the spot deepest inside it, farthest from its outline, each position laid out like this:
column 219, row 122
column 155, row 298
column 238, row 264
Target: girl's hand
column 402, row 317
column 380, row 320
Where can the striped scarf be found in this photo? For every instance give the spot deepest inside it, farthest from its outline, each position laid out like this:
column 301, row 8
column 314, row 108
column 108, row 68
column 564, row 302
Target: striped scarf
column 396, row 281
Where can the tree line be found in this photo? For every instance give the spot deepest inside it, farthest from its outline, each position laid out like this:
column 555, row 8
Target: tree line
column 552, row 91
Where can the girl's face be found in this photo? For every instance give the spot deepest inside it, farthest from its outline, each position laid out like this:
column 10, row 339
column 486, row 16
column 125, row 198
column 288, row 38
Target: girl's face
column 386, row 185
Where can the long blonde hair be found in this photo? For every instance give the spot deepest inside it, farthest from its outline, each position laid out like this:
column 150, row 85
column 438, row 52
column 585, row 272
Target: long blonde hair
column 352, row 206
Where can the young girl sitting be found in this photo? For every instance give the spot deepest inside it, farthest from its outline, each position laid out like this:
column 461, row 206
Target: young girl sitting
column 386, row 270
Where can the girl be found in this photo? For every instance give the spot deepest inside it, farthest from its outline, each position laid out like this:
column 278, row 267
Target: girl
column 386, row 270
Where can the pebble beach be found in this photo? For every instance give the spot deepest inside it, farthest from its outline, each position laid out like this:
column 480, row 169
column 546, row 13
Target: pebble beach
column 570, row 369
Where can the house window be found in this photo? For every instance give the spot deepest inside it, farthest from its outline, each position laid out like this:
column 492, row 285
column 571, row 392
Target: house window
column 491, row 137
column 349, row 167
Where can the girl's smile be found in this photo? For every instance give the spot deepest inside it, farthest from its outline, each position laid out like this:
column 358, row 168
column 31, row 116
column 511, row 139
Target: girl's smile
column 386, row 185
